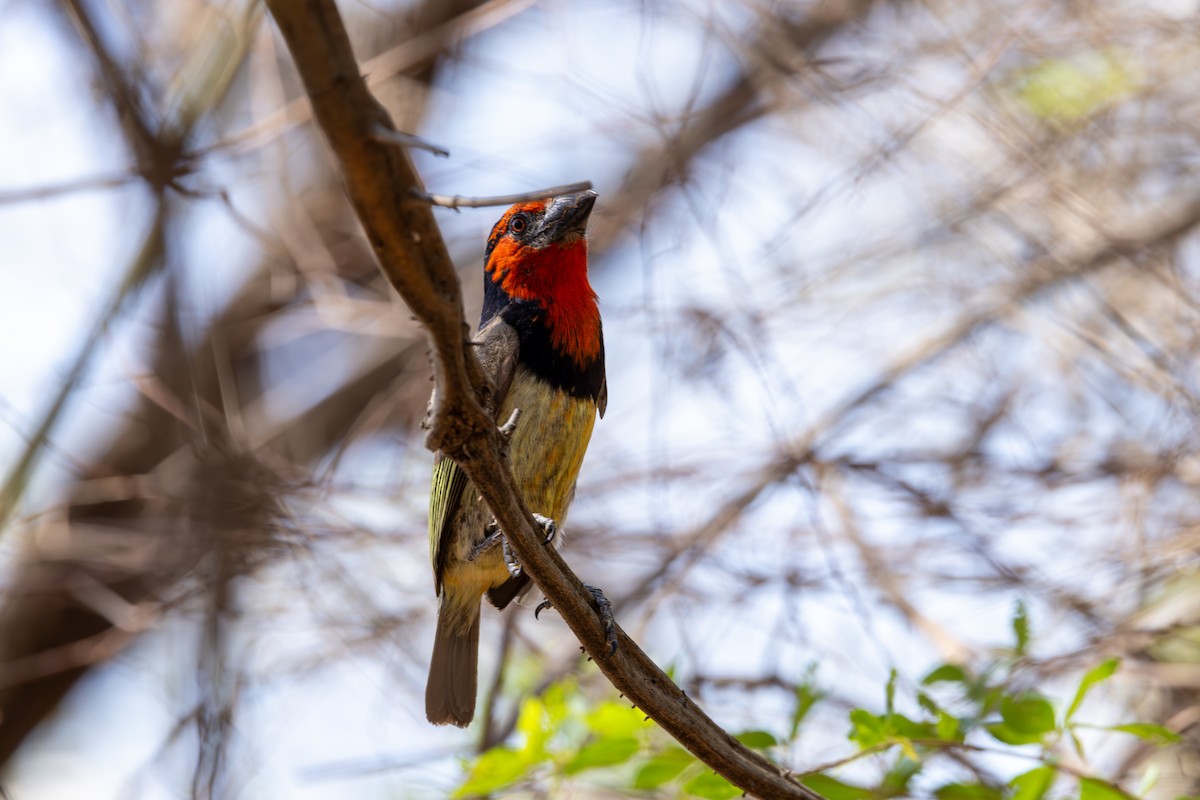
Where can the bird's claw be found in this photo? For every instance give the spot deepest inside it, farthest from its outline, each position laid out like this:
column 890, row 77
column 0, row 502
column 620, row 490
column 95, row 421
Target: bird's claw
column 491, row 535
column 510, row 559
column 603, row 610
column 549, row 528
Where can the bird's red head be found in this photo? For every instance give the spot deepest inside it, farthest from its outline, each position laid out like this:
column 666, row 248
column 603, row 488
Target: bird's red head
column 538, row 252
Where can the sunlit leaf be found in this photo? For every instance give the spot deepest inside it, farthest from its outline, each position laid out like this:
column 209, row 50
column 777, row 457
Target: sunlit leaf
column 967, row 791
column 1020, row 626
column 1098, row 673
column 1149, row 779
column 1096, row 789
column 1003, row 733
column 616, row 720
column 532, row 724
column 896, row 781
column 948, row 728
column 1075, row 741
column 946, row 673
column 1028, row 713
column 757, row 740
column 1032, row 785
column 495, row 769
column 657, row 771
column 1061, row 90
column 833, row 789
column 807, row 696
column 1149, row 732
column 711, row 787
column 901, row 725
column 602, row 753
column 867, row 730
column 555, row 700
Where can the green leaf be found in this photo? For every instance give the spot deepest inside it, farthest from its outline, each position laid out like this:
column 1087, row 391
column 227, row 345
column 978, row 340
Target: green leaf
column 1075, row 741
column 1002, row 732
column 1028, row 713
column 1096, row 789
column 867, row 729
column 1034, row 784
column 711, row 787
column 657, row 771
column 556, row 702
column 611, row 720
column 948, row 728
column 901, row 725
column 495, row 769
column 1149, row 779
column 895, row 782
column 1098, row 673
column 807, row 696
column 675, row 753
column 1149, row 732
column 946, row 673
column 891, row 692
column 1062, row 90
column 757, row 740
column 531, row 723
column 833, row 789
column 1020, row 626
column 967, row 791
column 602, row 753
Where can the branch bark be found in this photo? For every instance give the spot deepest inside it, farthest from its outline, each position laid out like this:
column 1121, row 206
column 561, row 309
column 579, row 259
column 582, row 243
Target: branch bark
column 382, row 184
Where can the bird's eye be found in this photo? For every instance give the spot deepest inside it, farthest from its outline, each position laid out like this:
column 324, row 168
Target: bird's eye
column 519, row 224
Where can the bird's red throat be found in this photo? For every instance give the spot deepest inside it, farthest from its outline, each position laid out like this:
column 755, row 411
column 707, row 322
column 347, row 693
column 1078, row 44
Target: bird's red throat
column 556, row 278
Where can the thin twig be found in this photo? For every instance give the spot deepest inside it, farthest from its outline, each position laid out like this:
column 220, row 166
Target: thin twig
column 402, row 139
column 457, row 201
column 21, row 195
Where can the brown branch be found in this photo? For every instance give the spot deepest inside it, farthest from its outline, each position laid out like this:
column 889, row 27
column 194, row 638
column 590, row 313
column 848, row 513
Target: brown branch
column 380, row 181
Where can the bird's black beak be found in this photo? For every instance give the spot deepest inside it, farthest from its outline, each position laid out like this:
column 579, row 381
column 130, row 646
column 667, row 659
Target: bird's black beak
column 566, row 218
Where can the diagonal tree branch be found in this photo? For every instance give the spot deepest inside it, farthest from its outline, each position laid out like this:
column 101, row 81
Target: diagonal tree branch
column 380, row 181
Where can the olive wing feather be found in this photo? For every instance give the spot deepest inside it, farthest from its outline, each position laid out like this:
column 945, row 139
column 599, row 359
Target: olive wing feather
column 496, row 345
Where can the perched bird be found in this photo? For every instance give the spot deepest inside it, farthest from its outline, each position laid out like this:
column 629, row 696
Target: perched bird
column 540, row 342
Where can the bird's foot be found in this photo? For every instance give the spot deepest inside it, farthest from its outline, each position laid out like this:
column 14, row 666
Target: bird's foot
column 491, row 537
column 603, row 610
column 549, row 528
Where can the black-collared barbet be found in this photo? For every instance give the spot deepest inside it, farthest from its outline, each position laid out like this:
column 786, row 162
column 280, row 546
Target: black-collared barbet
column 541, row 344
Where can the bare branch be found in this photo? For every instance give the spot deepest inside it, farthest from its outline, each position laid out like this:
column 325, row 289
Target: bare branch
column 401, row 139
column 457, row 201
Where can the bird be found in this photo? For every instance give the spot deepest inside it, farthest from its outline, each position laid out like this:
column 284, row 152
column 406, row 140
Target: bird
column 541, row 343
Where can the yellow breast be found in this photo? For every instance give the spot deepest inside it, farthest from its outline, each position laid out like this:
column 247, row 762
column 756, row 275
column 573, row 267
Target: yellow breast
column 549, row 443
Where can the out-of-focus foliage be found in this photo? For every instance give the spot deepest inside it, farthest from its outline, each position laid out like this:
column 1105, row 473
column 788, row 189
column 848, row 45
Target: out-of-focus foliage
column 902, row 313
column 955, row 710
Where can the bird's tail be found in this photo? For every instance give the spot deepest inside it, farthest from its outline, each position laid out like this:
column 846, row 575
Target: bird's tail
column 450, row 689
